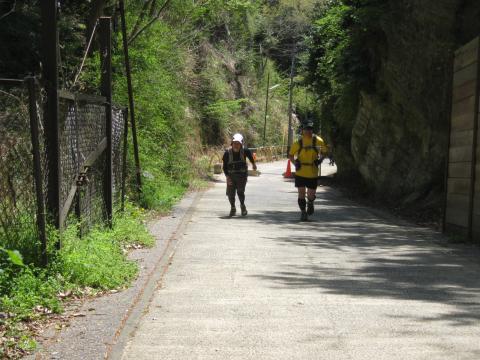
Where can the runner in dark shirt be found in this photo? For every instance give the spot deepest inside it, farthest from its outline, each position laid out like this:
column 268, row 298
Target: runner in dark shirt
column 236, row 171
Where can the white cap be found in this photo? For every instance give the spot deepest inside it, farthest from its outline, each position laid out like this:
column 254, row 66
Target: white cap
column 238, row 137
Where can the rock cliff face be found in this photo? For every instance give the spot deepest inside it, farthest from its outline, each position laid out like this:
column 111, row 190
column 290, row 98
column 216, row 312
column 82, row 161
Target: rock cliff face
column 399, row 138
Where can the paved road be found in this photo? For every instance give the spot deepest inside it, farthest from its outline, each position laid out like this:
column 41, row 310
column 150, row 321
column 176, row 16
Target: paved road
column 349, row 284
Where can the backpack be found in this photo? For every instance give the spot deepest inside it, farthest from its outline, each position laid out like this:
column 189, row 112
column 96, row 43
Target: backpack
column 313, row 146
column 243, row 162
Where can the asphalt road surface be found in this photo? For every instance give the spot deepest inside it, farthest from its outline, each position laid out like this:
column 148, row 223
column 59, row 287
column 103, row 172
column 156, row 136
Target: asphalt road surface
column 352, row 283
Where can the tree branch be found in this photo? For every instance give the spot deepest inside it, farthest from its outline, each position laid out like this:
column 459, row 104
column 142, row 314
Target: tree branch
column 133, row 37
column 140, row 18
column 9, row 12
column 152, row 8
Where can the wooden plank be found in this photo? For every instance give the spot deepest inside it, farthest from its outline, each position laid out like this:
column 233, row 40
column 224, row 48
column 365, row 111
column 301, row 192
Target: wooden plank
column 476, row 228
column 458, row 201
column 91, row 99
column 457, row 216
column 476, row 225
column 477, row 182
column 466, row 55
column 102, row 145
column 472, row 44
column 475, row 236
column 68, row 202
column 459, row 186
column 64, row 94
column 461, row 138
column 460, row 154
column 465, row 75
column 464, row 91
column 478, row 152
column 79, row 97
column 476, row 205
column 458, row 231
column 465, row 106
column 459, row 170
column 463, row 122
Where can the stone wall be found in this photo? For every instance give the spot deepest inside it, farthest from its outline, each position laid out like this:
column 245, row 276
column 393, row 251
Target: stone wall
column 399, row 138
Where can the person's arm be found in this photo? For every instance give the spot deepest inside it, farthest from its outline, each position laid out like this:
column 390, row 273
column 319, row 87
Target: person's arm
column 249, row 155
column 323, row 146
column 293, row 151
column 225, row 167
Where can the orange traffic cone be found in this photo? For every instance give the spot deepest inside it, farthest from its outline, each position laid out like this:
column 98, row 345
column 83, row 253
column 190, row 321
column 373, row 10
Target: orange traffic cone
column 288, row 173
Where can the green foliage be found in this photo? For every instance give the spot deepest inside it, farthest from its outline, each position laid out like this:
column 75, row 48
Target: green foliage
column 129, row 228
column 95, row 261
column 280, row 34
column 227, row 19
column 11, row 261
column 29, row 291
column 223, row 113
column 12, row 256
column 160, row 107
column 98, row 259
column 20, row 49
column 340, row 62
column 338, row 47
column 21, row 234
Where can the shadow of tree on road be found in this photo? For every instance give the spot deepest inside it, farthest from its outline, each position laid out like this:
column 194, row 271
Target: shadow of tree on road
column 356, row 253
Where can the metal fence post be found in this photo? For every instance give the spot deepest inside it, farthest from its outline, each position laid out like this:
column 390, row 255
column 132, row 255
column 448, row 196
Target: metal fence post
column 50, row 76
column 37, row 169
column 266, row 109
column 106, row 74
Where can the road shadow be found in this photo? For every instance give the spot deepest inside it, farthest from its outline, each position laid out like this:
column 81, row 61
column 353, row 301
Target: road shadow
column 236, row 217
column 368, row 256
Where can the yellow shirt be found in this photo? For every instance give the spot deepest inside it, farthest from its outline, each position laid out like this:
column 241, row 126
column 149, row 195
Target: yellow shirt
column 308, row 155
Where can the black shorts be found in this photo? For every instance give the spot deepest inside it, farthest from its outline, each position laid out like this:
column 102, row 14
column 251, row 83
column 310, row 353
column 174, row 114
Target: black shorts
column 310, row 183
column 239, row 182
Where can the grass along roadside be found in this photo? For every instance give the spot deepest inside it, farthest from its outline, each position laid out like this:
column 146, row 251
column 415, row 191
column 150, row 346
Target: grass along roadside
column 31, row 297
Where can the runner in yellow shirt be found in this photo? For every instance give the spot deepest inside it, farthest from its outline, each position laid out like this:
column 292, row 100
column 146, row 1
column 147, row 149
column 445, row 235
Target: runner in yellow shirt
column 305, row 153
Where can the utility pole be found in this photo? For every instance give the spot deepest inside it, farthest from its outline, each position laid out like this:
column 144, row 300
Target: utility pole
column 266, row 109
column 130, row 98
column 290, row 96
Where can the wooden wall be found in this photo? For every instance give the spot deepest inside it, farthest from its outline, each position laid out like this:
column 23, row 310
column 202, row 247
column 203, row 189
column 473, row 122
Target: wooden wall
column 463, row 187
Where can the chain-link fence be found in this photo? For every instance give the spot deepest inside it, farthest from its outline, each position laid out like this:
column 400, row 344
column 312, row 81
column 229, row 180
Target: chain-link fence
column 83, row 160
column 18, row 201
column 119, row 154
column 83, row 167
